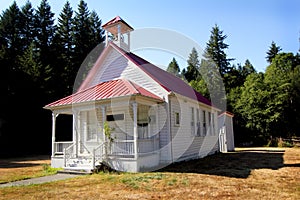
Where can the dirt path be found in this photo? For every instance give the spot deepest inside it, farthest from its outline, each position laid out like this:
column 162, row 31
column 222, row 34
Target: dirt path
column 39, row 180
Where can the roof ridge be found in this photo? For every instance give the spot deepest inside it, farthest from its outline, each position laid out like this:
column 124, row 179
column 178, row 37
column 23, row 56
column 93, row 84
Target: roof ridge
column 130, row 84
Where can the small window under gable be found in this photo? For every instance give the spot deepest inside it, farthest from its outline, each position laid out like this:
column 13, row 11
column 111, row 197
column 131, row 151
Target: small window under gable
column 192, row 121
column 177, row 119
column 115, row 117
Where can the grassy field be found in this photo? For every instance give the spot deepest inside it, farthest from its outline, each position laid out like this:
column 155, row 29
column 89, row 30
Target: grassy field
column 23, row 168
column 260, row 173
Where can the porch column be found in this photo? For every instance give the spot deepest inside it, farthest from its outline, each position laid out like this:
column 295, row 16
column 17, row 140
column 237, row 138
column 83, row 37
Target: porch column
column 103, row 109
column 54, row 115
column 135, row 132
column 75, row 130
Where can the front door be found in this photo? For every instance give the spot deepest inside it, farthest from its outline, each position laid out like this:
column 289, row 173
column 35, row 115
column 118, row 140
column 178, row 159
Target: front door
column 222, row 140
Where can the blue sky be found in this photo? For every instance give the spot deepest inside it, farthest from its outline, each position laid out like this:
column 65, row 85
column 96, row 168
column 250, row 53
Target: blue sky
column 251, row 26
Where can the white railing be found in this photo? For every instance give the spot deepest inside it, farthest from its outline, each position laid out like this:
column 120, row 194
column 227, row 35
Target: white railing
column 98, row 154
column 60, row 146
column 150, row 145
column 122, row 147
column 83, row 148
column 69, row 153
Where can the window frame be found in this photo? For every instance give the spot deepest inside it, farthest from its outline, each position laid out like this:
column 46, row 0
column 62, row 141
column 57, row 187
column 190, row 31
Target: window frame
column 176, row 119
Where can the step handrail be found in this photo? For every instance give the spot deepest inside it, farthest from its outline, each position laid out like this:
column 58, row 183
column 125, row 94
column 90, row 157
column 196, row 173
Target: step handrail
column 68, row 153
column 98, row 153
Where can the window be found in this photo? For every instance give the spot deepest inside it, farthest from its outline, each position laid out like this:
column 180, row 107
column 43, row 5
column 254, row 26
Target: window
column 213, row 124
column 177, row 119
column 209, row 124
column 91, row 126
column 204, row 122
column 198, row 123
column 115, row 117
column 192, row 121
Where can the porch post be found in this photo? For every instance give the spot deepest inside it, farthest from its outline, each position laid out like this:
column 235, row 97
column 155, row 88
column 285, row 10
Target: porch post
column 135, row 133
column 54, row 115
column 103, row 109
column 75, row 130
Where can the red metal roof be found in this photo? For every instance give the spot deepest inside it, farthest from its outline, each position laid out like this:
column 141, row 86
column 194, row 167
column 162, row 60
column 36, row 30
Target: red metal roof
column 113, row 21
column 105, row 90
column 167, row 80
column 110, row 25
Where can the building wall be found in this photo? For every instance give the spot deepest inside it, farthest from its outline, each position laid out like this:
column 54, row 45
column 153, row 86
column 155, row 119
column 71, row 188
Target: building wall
column 136, row 75
column 111, row 68
column 226, row 120
column 187, row 144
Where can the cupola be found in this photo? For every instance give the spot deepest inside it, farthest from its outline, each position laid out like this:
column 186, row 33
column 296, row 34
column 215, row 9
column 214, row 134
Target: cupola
column 118, row 31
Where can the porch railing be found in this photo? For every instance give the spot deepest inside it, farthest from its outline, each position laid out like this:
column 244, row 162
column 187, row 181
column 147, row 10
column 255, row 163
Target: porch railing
column 60, row 146
column 150, row 145
column 121, row 147
column 126, row 147
column 69, row 153
column 98, row 154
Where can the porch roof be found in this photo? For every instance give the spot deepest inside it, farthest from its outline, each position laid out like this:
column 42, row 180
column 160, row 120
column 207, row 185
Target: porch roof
column 105, row 90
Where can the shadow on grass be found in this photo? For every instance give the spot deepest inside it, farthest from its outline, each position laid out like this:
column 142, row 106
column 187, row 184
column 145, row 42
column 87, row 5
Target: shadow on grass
column 22, row 162
column 235, row 164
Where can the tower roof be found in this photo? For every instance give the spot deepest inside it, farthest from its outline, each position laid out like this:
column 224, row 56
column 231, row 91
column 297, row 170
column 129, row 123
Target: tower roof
column 110, row 26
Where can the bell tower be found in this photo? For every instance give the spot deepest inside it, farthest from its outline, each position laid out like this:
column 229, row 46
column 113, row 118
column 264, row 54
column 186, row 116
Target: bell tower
column 118, row 31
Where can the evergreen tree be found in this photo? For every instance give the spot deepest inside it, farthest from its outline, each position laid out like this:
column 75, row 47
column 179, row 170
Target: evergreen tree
column 192, row 72
column 82, row 33
column 88, row 34
column 252, row 107
column 247, row 69
column 28, row 29
column 10, row 35
column 215, row 50
column 97, row 33
column 173, row 67
column 44, row 24
column 272, row 52
column 280, row 79
column 64, row 50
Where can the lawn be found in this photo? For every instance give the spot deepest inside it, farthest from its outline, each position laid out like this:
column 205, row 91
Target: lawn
column 23, row 168
column 260, row 173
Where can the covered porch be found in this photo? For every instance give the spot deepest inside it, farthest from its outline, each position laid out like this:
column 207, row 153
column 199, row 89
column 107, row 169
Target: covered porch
column 135, row 132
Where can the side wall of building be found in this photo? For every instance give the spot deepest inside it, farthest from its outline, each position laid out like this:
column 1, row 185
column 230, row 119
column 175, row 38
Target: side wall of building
column 194, row 134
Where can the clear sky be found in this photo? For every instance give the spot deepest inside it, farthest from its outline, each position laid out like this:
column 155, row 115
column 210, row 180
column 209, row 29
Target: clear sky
column 251, row 26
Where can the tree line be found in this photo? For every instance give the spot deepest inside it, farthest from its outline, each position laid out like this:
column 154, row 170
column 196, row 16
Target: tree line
column 266, row 104
column 40, row 57
column 39, row 60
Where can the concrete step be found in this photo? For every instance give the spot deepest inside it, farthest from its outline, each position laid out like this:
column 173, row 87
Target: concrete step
column 83, row 170
column 75, row 172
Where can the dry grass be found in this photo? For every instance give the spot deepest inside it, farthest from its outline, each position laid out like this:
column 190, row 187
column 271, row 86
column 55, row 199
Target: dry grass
column 245, row 174
column 22, row 168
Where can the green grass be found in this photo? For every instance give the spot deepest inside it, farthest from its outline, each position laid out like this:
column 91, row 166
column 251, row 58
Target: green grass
column 136, row 181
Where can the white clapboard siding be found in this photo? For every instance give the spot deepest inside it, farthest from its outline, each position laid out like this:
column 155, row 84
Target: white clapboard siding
column 164, row 136
column 185, row 145
column 111, row 68
column 138, row 76
column 115, row 66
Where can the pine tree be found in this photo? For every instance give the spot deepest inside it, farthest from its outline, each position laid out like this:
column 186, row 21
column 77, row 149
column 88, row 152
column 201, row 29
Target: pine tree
column 192, row 71
column 247, row 69
column 215, row 50
column 64, row 50
column 96, row 29
column 82, row 33
column 10, row 33
column 272, row 52
column 45, row 29
column 28, row 29
column 88, row 34
column 173, row 67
